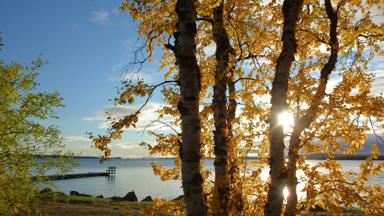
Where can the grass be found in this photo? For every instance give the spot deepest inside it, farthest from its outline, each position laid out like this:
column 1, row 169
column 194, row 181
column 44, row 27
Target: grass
column 59, row 204
column 346, row 211
column 91, row 201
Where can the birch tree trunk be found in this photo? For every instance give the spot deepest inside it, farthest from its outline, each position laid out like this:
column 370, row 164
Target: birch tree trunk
column 291, row 11
column 233, row 162
column 189, row 73
column 220, row 113
column 305, row 121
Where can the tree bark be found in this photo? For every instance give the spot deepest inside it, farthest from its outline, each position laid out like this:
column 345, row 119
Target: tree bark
column 189, row 74
column 233, row 167
column 291, row 11
column 305, row 121
column 220, row 113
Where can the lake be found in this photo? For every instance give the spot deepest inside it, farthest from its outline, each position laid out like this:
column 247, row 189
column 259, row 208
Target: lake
column 137, row 175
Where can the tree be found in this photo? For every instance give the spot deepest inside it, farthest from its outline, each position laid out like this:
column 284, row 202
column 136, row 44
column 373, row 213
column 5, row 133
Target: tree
column 241, row 37
column 24, row 137
column 235, row 44
column 220, row 111
column 352, row 40
column 182, row 25
column 304, row 121
column 291, row 12
column 248, row 57
column 188, row 106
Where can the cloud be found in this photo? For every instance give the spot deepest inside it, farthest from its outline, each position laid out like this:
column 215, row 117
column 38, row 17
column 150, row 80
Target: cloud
column 323, row 48
column 377, row 63
column 103, row 125
column 332, row 83
column 146, row 117
column 150, row 77
column 377, row 17
column 210, row 50
column 117, row 112
column 93, row 118
column 75, row 138
column 378, row 83
column 126, row 145
column 379, row 74
column 125, row 70
column 118, row 67
column 100, row 17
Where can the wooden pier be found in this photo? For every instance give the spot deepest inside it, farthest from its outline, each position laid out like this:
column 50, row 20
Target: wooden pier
column 108, row 172
column 111, row 170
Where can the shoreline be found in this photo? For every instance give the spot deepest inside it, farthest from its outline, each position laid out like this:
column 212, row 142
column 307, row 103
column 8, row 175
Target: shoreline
column 316, row 156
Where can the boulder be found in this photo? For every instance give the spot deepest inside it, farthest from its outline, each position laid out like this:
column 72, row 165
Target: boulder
column 74, row 193
column 147, row 199
column 131, row 197
column 46, row 190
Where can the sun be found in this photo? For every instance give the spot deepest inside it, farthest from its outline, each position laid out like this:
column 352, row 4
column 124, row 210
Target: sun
column 286, row 120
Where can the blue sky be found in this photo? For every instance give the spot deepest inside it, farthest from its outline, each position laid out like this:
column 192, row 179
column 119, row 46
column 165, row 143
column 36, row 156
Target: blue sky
column 88, row 44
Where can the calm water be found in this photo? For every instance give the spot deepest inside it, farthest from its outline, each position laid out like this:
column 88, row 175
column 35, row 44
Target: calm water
column 137, row 175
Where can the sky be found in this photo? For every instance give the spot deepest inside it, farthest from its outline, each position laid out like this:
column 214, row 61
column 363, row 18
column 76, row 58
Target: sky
column 88, row 45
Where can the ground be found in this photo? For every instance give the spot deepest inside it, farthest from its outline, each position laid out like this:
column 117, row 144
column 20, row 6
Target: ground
column 58, row 204
column 61, row 209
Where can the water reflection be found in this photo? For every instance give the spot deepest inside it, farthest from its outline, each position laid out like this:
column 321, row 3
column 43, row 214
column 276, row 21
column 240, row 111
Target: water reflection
column 110, row 179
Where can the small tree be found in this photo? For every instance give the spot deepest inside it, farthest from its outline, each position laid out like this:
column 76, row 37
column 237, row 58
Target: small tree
column 23, row 136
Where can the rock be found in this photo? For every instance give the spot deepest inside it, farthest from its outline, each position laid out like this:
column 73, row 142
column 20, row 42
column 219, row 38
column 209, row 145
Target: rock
column 317, row 208
column 46, row 190
column 100, row 197
column 74, row 193
column 181, row 197
column 131, row 197
column 147, row 199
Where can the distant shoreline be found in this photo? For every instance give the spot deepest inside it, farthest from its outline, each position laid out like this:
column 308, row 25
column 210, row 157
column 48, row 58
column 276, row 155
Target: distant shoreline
column 318, row 156
column 323, row 156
